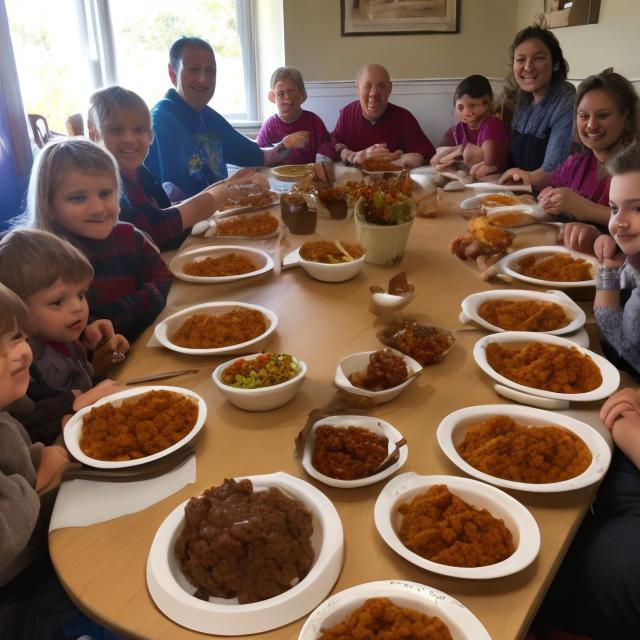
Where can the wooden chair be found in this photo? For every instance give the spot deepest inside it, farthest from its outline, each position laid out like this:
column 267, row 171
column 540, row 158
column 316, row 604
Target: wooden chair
column 75, row 125
column 40, row 129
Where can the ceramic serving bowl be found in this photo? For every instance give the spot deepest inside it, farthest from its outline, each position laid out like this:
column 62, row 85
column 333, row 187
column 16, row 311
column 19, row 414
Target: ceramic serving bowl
column 339, row 272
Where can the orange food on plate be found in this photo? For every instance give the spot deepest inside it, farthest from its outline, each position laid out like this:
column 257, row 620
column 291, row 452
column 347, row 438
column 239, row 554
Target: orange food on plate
column 504, row 448
column 499, row 200
column 384, row 371
column 260, row 224
column 328, row 252
column 139, row 427
column 230, row 264
column 379, row 164
column 545, row 366
column 443, row 528
column 559, row 267
column 510, row 219
column 209, row 331
column 381, row 619
column 263, row 199
column 524, row 315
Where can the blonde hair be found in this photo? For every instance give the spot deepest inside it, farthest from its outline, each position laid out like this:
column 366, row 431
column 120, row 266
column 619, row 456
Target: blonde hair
column 54, row 160
column 289, row 73
column 32, row 260
column 104, row 103
column 13, row 313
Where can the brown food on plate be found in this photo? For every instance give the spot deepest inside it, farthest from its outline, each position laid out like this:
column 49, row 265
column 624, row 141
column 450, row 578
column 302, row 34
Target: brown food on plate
column 348, row 453
column 328, row 252
column 499, row 200
column 208, row 331
column 482, row 239
column 559, row 267
column 230, row 264
column 141, row 426
column 381, row 619
column 379, row 164
column 443, row 528
column 245, row 544
column 524, row 315
column 504, row 448
column 427, row 345
column 384, row 371
column 545, row 366
column 260, row 224
column 263, row 199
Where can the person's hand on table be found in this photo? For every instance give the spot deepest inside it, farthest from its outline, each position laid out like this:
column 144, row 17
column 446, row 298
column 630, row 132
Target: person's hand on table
column 624, row 403
column 555, row 200
column 375, row 151
column 578, row 236
column 481, row 169
column 515, row 175
column 296, row 140
column 101, row 390
column 53, row 461
column 243, row 182
column 446, row 156
column 608, row 252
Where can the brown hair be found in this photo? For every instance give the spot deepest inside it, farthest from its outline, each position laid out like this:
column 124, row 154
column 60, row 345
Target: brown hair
column 32, row 260
column 560, row 67
column 627, row 161
column 104, row 103
column 13, row 313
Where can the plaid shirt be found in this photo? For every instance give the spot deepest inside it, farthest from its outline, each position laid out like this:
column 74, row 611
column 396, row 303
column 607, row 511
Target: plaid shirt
column 131, row 280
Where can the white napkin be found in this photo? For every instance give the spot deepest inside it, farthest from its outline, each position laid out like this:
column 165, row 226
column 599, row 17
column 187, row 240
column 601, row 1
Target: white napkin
column 83, row 502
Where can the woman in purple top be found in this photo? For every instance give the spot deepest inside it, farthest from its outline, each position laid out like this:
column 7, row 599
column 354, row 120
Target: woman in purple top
column 606, row 121
column 288, row 94
column 479, row 139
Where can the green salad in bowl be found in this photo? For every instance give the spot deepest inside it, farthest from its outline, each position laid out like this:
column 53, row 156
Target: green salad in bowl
column 385, row 208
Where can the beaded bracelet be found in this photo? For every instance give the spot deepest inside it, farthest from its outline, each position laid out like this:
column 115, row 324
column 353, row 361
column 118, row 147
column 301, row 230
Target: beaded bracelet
column 608, row 278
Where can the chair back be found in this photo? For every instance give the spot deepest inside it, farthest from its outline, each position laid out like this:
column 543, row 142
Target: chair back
column 40, row 129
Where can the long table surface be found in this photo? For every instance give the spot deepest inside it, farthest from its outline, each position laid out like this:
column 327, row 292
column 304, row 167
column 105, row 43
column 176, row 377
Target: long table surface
column 103, row 566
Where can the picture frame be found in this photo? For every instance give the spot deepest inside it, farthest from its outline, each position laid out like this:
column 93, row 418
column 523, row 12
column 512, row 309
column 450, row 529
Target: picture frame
column 399, row 17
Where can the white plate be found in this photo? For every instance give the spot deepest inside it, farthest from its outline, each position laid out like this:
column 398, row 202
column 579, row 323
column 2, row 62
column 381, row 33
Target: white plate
column 170, row 325
column 523, row 527
column 324, row 272
column 462, row 624
column 475, row 202
column 452, row 430
column 610, row 375
column 472, row 302
column 73, row 430
column 275, row 198
column 508, row 263
column 359, row 362
column 289, row 172
column 172, row 592
column 261, row 258
column 379, row 427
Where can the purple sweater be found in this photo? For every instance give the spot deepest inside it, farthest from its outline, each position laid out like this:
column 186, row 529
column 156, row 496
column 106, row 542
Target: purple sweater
column 581, row 172
column 274, row 129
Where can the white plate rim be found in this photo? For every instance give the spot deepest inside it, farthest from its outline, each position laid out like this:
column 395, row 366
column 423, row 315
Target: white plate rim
column 505, row 265
column 448, row 609
column 275, row 199
column 160, row 330
column 242, row 619
column 529, row 533
column 600, row 450
column 73, row 428
column 392, row 434
column 610, row 375
column 213, row 249
column 471, row 303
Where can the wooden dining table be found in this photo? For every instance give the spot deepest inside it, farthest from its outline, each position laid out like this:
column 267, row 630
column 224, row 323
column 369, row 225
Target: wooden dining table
column 102, row 566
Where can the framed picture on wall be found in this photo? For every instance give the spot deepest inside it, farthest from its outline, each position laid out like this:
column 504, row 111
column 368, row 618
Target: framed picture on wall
column 389, row 17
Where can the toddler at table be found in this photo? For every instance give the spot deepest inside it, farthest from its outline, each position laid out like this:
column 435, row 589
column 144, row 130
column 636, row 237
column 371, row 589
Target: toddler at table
column 288, row 93
column 479, row 138
column 33, row 605
column 52, row 277
column 121, row 121
column 74, row 193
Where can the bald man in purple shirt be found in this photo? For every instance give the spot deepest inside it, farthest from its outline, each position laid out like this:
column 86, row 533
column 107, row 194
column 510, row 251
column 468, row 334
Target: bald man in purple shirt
column 372, row 127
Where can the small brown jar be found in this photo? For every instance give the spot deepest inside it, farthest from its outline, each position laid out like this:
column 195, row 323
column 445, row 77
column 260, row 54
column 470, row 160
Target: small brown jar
column 295, row 212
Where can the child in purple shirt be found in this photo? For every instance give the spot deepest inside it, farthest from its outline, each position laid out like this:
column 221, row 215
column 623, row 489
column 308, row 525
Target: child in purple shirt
column 479, row 138
column 288, row 93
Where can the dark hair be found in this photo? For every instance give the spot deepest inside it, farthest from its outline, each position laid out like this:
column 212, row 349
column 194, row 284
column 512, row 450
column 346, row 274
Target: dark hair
column 627, row 161
column 175, row 52
column 103, row 103
column 475, row 86
column 621, row 91
column 560, row 67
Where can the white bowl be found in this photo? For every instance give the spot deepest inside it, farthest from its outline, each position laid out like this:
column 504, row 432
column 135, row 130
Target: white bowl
column 263, row 398
column 508, row 263
column 610, row 375
column 454, row 427
column 170, row 325
column 523, row 527
column 73, row 430
column 385, row 244
column 261, row 258
column 462, row 624
column 359, row 362
column 375, row 425
column 325, row 272
column 172, row 592
column 472, row 303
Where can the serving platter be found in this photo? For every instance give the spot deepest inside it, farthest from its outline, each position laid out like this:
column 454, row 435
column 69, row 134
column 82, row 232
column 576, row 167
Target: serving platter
column 523, row 527
column 73, row 429
column 610, row 375
column 453, row 428
column 173, row 593
column 461, row 622
column 170, row 325
column 261, row 258
column 375, row 425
